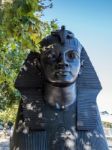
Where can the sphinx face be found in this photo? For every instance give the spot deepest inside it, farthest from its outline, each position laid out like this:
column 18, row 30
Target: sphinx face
column 61, row 63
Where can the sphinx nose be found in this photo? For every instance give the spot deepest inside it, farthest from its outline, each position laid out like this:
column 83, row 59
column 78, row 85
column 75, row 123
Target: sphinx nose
column 62, row 62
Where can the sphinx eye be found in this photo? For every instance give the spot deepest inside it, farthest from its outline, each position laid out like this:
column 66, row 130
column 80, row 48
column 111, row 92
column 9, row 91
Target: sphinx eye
column 71, row 54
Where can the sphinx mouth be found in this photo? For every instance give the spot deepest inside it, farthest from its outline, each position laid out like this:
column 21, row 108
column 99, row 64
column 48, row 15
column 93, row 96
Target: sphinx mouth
column 62, row 73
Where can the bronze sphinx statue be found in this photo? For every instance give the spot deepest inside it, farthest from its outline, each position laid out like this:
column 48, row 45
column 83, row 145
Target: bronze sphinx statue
column 58, row 110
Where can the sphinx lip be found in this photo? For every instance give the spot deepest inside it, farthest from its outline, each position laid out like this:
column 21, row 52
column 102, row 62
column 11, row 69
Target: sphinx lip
column 62, row 73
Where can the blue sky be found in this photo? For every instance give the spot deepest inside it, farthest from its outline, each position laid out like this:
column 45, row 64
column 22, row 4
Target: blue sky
column 91, row 22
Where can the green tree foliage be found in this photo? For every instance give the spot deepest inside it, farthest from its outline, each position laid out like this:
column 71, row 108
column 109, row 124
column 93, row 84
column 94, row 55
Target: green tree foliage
column 107, row 124
column 9, row 114
column 21, row 29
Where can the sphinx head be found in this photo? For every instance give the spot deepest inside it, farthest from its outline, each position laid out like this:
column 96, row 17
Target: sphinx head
column 60, row 57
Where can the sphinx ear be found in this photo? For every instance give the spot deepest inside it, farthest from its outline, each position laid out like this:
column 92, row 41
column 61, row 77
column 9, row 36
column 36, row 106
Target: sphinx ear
column 82, row 63
column 38, row 62
column 81, row 66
